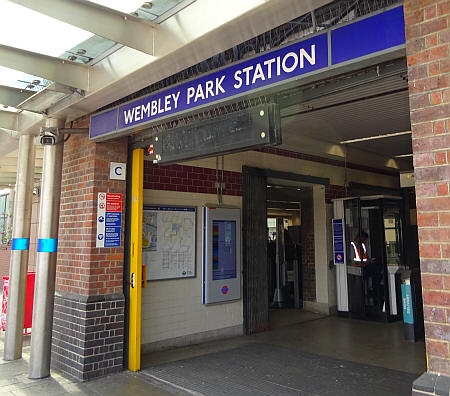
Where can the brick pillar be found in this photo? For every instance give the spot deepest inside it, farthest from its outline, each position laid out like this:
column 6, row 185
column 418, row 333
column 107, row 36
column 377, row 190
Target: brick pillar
column 88, row 324
column 428, row 36
column 308, row 251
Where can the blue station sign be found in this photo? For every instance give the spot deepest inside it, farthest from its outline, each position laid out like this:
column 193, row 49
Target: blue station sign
column 376, row 33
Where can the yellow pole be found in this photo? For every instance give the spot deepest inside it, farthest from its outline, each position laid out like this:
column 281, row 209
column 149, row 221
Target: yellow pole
column 137, row 174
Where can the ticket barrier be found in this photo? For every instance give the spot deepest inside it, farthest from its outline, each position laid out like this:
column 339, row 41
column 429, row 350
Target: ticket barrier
column 368, row 255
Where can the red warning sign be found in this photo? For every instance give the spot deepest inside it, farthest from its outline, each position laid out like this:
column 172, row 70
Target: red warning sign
column 113, row 202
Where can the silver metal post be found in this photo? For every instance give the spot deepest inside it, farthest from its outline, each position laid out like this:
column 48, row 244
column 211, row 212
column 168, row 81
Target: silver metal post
column 278, row 298
column 9, row 220
column 19, row 249
column 44, row 289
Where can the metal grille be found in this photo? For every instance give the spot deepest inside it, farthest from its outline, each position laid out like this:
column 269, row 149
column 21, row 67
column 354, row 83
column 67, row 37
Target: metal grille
column 337, row 12
column 340, row 11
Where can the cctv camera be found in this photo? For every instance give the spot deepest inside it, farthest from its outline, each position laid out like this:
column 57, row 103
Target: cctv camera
column 49, row 135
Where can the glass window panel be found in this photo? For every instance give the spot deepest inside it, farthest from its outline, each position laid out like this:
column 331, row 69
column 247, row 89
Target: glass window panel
column 391, row 221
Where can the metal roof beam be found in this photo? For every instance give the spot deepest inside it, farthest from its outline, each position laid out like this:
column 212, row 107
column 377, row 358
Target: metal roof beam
column 180, row 42
column 59, row 70
column 10, row 96
column 114, row 25
column 8, row 120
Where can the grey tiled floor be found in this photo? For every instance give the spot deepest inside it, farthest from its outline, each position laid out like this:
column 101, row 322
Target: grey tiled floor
column 14, row 381
column 308, row 339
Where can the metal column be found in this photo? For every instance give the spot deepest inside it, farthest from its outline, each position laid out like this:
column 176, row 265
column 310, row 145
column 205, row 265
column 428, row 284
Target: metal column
column 278, row 298
column 47, row 243
column 19, row 249
column 9, row 220
column 137, row 188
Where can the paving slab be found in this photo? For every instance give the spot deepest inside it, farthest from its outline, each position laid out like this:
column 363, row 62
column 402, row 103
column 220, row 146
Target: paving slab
column 14, row 381
column 264, row 369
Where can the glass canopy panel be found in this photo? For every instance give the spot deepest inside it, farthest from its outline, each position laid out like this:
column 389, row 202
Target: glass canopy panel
column 26, row 29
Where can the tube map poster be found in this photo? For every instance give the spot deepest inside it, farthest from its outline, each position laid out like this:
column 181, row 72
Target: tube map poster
column 168, row 242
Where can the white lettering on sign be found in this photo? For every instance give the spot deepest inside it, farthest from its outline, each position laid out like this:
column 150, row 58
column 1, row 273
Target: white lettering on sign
column 288, row 63
column 204, row 91
column 152, row 108
column 247, row 76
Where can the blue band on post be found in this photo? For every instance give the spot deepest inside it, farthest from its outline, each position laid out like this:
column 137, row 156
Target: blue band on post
column 48, row 245
column 20, row 244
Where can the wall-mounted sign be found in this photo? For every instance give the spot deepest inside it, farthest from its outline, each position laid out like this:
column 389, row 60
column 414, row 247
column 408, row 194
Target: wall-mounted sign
column 338, row 241
column 221, row 254
column 117, row 171
column 344, row 43
column 109, row 220
column 168, row 242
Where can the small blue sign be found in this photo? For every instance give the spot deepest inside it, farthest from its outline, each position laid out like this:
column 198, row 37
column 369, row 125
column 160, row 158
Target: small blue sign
column 338, row 241
column 408, row 316
column 338, row 229
column 339, row 245
column 113, row 219
column 339, row 257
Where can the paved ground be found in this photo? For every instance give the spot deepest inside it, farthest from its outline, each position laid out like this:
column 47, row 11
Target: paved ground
column 14, row 381
column 263, row 369
column 372, row 343
column 304, row 354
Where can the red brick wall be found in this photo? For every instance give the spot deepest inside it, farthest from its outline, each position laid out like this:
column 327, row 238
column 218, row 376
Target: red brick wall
column 189, row 179
column 308, row 251
column 323, row 160
column 82, row 268
column 333, row 192
column 428, row 38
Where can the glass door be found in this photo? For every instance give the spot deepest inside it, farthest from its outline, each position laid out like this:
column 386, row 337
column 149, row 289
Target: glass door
column 354, row 255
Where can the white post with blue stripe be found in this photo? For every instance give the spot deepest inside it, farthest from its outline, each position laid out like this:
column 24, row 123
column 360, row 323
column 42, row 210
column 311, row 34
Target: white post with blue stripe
column 19, row 249
column 47, row 243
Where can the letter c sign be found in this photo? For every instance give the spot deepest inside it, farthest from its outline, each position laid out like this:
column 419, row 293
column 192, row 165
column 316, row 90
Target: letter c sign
column 117, row 171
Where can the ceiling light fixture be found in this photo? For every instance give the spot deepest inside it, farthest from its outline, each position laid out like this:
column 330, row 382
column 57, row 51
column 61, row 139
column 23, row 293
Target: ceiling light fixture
column 403, row 156
column 147, row 5
column 364, row 139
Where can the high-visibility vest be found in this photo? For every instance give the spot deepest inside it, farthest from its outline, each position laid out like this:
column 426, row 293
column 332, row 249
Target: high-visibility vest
column 357, row 256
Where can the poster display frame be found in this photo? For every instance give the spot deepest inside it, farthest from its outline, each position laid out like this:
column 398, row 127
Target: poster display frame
column 164, row 208
column 228, row 289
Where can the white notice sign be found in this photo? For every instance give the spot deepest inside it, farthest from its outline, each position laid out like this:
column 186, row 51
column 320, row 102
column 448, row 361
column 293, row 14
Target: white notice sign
column 168, row 242
column 117, row 171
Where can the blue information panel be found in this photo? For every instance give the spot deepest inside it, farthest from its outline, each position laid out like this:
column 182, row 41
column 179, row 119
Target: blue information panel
column 338, row 241
column 408, row 316
column 221, row 254
column 109, row 220
column 224, row 249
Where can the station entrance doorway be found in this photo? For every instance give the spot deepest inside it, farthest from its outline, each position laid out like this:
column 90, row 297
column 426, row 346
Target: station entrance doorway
column 290, row 245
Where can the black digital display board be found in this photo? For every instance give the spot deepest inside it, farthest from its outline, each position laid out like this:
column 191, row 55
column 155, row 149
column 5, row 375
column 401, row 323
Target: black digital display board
column 238, row 131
